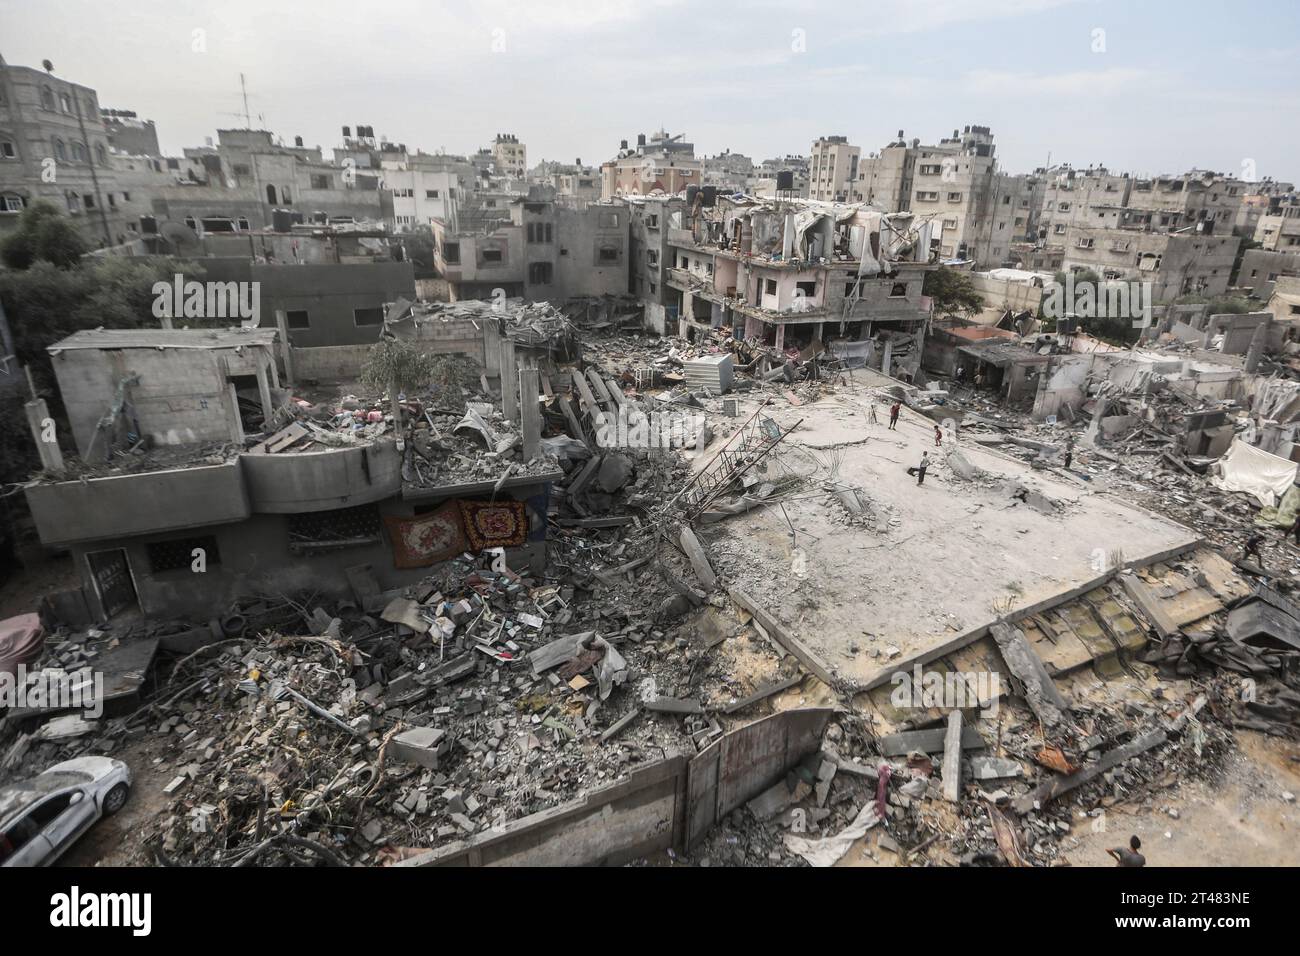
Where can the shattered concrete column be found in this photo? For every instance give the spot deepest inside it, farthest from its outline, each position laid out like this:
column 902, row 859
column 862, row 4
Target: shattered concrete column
column 780, row 337
column 699, row 560
column 530, row 415
column 509, row 380
column 887, row 357
column 264, row 393
column 42, row 426
column 286, row 352
column 1257, row 342
column 952, row 758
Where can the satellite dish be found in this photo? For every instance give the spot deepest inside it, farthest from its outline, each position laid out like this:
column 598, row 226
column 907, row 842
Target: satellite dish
column 179, row 235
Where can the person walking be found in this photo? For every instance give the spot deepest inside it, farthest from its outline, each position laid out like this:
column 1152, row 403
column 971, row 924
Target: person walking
column 1251, row 548
column 919, row 470
column 893, row 414
column 938, row 436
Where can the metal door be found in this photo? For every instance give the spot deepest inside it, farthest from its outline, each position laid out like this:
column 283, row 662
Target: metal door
column 112, row 578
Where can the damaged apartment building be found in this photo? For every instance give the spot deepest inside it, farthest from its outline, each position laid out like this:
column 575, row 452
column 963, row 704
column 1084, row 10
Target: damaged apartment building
column 532, row 247
column 789, row 273
column 202, row 477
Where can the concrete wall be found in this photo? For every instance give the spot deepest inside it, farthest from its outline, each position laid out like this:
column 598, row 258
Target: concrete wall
column 1065, row 382
column 293, row 483
column 670, row 803
column 331, row 293
column 182, row 396
column 331, row 363
column 255, row 559
column 109, row 508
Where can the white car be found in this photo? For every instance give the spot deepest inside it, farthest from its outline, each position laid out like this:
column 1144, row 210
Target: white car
column 42, row 817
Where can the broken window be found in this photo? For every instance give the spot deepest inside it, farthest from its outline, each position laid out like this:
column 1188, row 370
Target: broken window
column 539, row 273
column 298, row 319
column 451, row 253
column 898, row 291
column 954, row 197
column 491, row 255
column 339, row 528
column 769, row 286
column 431, row 194
column 368, row 316
column 320, row 181
column 178, row 553
column 609, row 254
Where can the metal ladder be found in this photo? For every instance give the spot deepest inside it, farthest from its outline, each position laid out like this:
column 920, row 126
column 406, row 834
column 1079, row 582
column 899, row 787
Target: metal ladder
column 743, row 450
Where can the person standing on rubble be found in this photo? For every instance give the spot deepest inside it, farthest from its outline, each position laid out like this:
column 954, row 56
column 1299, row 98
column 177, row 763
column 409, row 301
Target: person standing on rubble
column 893, row 414
column 938, row 436
column 1251, row 548
column 919, row 470
column 1129, row 855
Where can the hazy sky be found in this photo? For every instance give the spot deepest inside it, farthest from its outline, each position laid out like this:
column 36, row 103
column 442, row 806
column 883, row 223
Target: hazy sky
column 1146, row 87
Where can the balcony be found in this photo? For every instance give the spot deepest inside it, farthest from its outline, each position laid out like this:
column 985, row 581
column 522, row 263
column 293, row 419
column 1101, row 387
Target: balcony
column 121, row 506
column 290, row 482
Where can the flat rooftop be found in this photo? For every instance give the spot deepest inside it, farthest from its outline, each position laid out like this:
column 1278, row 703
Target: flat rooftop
column 164, row 339
column 945, row 558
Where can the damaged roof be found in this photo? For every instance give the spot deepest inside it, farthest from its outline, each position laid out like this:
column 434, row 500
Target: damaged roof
column 164, row 339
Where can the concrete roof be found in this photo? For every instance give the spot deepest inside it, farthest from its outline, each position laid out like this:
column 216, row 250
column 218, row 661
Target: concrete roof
column 947, row 558
column 164, row 339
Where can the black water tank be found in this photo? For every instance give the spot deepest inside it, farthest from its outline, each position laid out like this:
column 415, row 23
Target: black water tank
column 710, row 196
column 281, row 220
column 691, row 192
column 785, row 180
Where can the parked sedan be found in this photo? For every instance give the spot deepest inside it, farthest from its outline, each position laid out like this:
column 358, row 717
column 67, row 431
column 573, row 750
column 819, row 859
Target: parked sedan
column 42, row 817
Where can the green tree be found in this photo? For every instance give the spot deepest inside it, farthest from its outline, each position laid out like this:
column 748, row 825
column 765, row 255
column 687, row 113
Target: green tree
column 45, row 303
column 953, row 292
column 43, row 234
column 419, row 249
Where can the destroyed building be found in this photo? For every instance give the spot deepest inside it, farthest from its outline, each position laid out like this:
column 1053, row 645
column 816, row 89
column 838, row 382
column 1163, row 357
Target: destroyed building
column 189, row 450
column 790, row 273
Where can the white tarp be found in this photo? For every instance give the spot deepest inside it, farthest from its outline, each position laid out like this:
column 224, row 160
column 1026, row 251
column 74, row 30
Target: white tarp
column 828, row 850
column 1256, row 472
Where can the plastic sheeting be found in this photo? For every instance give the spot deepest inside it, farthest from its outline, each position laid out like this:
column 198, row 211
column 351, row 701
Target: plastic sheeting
column 1256, row 472
column 1284, row 515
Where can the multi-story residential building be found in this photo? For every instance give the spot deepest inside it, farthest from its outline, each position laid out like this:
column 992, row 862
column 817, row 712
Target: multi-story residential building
column 248, row 176
column 572, row 182
column 54, row 147
column 1257, row 202
column 534, row 248
column 787, row 273
column 730, row 172
column 832, row 169
column 1209, row 202
column 663, row 166
column 424, row 187
column 979, row 212
column 509, row 156
column 1177, row 264
column 1261, row 268
column 1278, row 229
column 650, row 218
column 129, row 134
column 953, row 183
